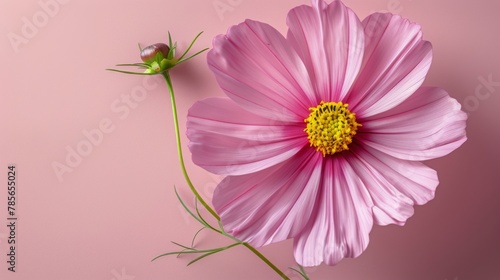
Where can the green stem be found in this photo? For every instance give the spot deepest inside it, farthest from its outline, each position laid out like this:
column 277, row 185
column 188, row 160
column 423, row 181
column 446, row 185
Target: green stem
column 166, row 75
column 268, row 262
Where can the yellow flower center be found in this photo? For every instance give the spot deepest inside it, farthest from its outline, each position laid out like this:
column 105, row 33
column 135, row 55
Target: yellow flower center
column 331, row 127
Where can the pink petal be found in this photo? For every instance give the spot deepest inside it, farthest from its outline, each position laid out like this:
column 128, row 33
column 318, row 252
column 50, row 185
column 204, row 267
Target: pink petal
column 391, row 205
column 226, row 139
column 427, row 125
column 258, row 69
column 330, row 41
column 273, row 204
column 342, row 220
column 395, row 63
column 398, row 178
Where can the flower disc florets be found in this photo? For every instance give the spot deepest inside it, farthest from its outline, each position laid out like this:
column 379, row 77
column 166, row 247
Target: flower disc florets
column 331, row 127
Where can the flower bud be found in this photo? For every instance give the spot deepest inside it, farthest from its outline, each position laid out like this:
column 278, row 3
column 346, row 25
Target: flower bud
column 148, row 54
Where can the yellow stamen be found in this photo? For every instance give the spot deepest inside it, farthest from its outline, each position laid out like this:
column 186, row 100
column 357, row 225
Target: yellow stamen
column 331, row 127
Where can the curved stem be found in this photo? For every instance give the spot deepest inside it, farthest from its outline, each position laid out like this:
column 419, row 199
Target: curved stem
column 166, row 75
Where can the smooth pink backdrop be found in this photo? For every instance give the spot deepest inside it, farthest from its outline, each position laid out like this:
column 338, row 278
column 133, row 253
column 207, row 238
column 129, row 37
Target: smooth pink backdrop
column 116, row 209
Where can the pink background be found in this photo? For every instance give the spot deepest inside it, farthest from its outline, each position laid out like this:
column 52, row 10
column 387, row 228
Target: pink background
column 116, row 209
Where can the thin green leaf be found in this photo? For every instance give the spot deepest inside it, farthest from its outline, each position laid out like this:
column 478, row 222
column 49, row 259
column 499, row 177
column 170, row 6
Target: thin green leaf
column 191, row 45
column 131, row 73
column 201, row 257
column 211, row 253
column 196, row 234
column 186, row 59
column 139, row 45
column 180, row 253
column 143, row 65
column 176, row 253
column 183, row 246
column 302, row 272
column 302, row 269
column 185, row 207
column 205, row 223
column 194, row 251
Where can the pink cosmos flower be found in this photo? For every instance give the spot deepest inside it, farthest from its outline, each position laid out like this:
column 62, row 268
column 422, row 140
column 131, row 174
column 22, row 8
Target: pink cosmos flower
column 322, row 131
